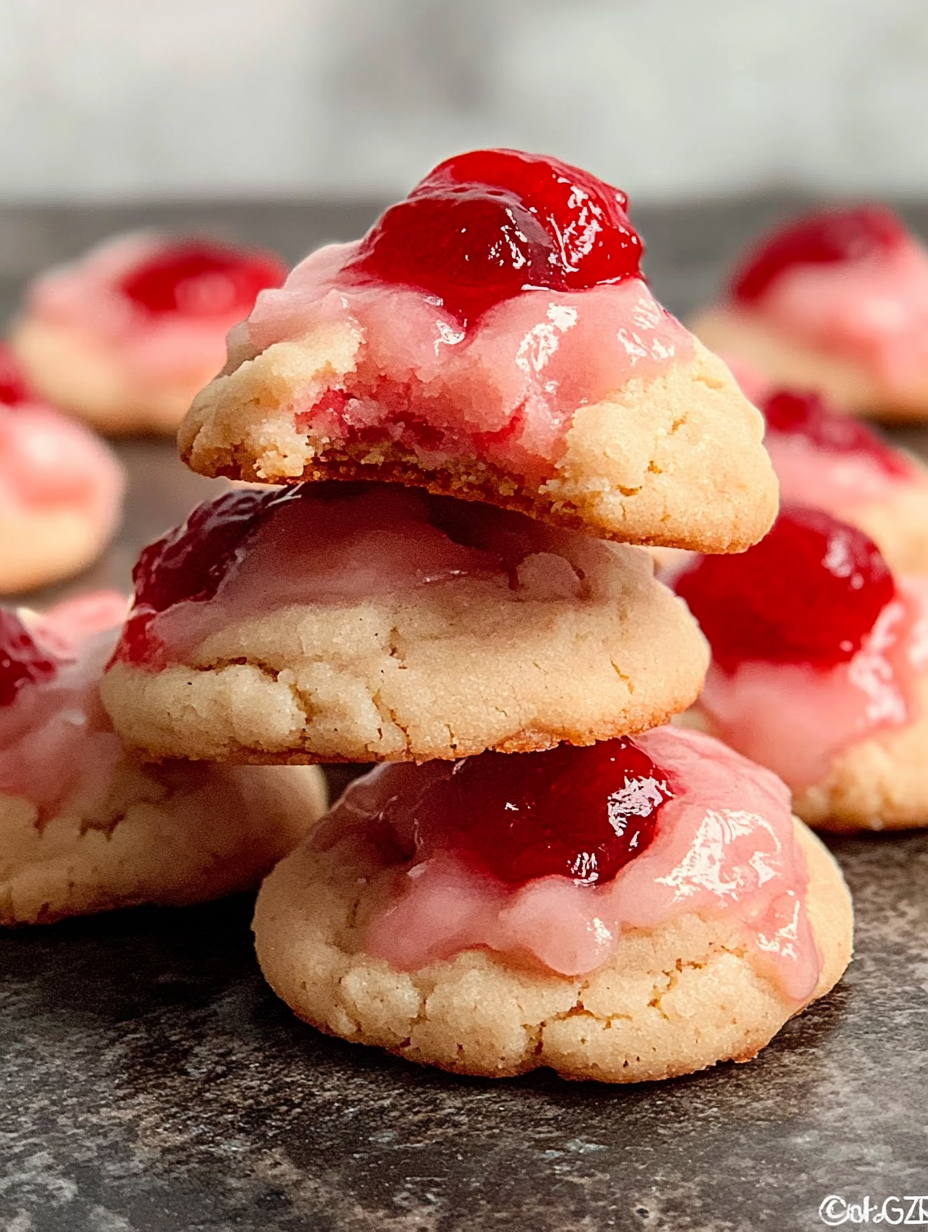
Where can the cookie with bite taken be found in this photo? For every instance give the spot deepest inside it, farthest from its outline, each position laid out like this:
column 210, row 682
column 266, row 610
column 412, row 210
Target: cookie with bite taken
column 60, row 488
column 367, row 622
column 819, row 669
column 127, row 334
column 86, row 825
column 492, row 338
column 636, row 910
column 835, row 301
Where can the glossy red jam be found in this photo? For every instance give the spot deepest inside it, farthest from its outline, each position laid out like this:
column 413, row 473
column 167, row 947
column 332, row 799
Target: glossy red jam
column 13, row 389
column 806, row 414
column 582, row 813
column 818, row 239
column 808, row 593
column 21, row 660
column 486, row 225
column 200, row 279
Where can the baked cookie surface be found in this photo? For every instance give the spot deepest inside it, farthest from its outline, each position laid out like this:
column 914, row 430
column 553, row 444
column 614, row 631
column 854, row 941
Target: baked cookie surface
column 86, row 825
column 570, row 394
column 671, row 998
column 379, row 623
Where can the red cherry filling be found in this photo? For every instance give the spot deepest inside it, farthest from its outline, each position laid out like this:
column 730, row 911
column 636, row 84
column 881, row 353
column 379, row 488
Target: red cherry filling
column 200, row 279
column 21, row 660
column 806, row 414
column 486, row 225
column 576, row 812
column 818, row 239
column 809, row 593
column 13, row 388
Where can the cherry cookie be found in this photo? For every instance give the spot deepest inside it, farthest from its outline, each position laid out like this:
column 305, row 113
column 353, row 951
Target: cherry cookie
column 357, row 622
column 128, row 334
column 836, row 301
column 492, row 338
column 60, row 489
column 825, row 458
column 637, row 910
column 820, row 669
column 86, row 825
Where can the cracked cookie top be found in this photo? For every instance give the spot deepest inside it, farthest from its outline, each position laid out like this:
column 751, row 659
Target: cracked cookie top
column 517, row 357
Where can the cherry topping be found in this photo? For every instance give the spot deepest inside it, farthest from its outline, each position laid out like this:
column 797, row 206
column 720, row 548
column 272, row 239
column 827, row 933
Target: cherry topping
column 13, row 388
column 809, row 592
column 202, row 279
column 486, row 225
column 21, row 660
column 576, row 812
column 824, row 238
column 806, row 414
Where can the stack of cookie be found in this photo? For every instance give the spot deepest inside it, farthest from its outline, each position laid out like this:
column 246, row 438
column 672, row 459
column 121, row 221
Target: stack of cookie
column 476, row 410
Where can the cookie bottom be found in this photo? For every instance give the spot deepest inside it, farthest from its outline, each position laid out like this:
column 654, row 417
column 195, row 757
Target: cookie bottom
column 171, row 835
column 44, row 546
column 669, row 1001
column 77, row 374
column 784, row 361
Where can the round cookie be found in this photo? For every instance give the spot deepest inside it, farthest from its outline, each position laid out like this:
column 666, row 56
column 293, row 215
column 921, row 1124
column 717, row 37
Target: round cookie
column 570, row 395
column 60, row 489
column 124, row 337
column 670, row 999
column 330, row 623
column 86, row 825
column 835, row 302
column 824, row 677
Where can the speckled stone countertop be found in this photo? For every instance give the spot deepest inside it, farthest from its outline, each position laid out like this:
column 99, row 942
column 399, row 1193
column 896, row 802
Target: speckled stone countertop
column 150, row 1082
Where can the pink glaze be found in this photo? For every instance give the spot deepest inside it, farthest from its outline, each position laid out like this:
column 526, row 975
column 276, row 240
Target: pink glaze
column 159, row 348
column 724, row 846
column 795, row 717
column 873, row 310
column 505, row 389
column 837, row 482
column 48, row 461
column 324, row 543
column 57, row 749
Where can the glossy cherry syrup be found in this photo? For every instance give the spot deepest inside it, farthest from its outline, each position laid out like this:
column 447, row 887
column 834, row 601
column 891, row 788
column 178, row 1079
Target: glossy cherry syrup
column 200, row 279
column 582, row 813
column 21, row 660
column 806, row 414
column 810, row 592
column 13, row 388
column 824, row 238
column 486, row 225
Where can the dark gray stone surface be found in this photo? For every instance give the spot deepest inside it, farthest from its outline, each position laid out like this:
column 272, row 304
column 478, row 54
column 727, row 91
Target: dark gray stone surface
column 150, row 1082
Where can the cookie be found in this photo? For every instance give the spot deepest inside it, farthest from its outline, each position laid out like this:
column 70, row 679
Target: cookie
column 125, row 336
column 684, row 987
column 361, row 623
column 819, row 670
column 87, row 826
column 60, row 489
column 550, row 386
column 837, row 302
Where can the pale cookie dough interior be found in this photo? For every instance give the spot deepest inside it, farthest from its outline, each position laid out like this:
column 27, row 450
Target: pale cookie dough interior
column 172, row 835
column 670, row 1001
column 790, row 362
column 441, row 671
column 675, row 460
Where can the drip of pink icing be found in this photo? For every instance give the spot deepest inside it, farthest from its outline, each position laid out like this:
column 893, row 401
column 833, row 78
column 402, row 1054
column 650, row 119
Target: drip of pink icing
column 57, row 748
column 378, row 541
column 85, row 297
column 796, row 718
column 506, row 389
column 724, row 846
column 873, row 310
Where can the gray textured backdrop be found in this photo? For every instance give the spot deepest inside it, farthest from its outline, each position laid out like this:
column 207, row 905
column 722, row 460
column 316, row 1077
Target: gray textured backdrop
column 671, row 98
